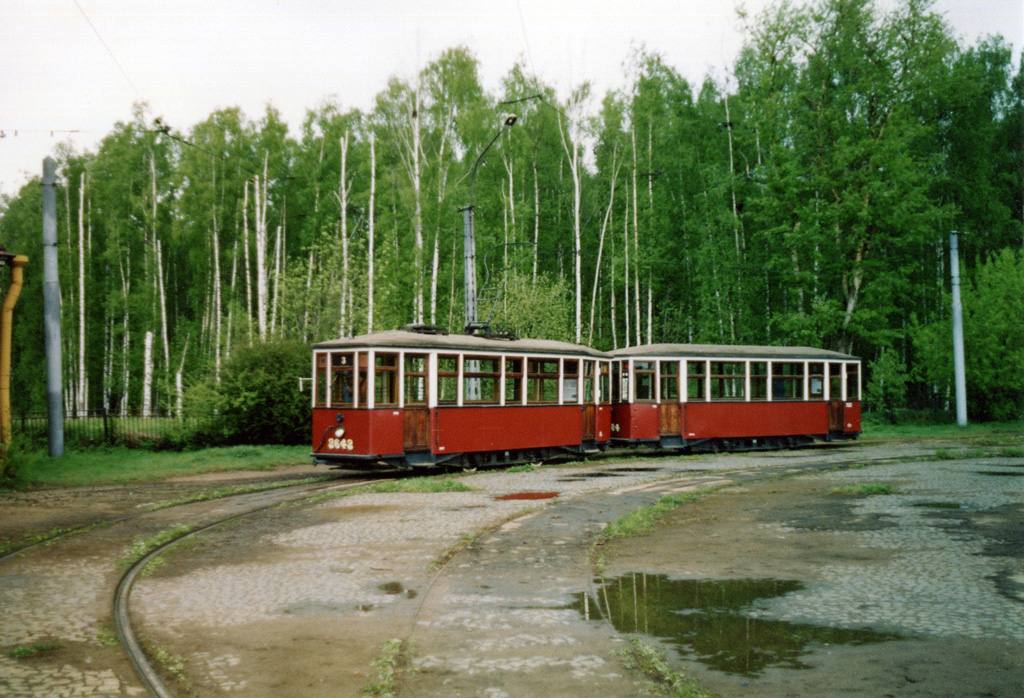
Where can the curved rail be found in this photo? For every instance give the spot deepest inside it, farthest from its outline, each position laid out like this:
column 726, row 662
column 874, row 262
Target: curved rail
column 146, row 672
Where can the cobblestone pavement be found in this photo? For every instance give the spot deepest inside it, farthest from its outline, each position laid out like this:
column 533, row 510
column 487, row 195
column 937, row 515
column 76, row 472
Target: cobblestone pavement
column 948, row 575
column 289, row 604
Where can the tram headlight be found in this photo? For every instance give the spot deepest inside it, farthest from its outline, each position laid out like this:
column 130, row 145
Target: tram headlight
column 339, row 432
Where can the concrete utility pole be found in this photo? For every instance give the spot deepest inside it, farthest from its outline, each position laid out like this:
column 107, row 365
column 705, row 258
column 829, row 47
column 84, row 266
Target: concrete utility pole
column 958, row 335
column 51, row 311
column 468, row 236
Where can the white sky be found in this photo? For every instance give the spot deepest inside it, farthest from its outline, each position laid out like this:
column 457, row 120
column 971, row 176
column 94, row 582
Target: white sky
column 190, row 57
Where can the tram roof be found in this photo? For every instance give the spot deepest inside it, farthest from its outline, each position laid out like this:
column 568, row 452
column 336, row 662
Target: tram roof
column 404, row 339
column 731, row 351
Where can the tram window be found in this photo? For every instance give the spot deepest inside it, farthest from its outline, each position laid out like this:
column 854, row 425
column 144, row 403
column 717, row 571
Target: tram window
column 787, row 380
column 852, row 384
column 644, row 377
column 728, row 379
column 320, row 379
column 588, row 382
column 342, row 380
column 695, row 383
column 385, row 380
column 669, row 381
column 480, row 380
column 513, row 381
column 617, row 383
column 541, row 380
column 835, row 381
column 604, row 385
column 816, row 374
column 415, row 379
column 758, row 380
column 447, row 379
column 570, row 381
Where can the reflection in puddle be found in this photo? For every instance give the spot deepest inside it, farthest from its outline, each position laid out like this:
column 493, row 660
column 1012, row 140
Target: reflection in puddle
column 937, row 505
column 708, row 620
column 1001, row 473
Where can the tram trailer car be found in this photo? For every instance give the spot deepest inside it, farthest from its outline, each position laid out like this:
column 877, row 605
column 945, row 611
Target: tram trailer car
column 421, row 397
column 719, row 397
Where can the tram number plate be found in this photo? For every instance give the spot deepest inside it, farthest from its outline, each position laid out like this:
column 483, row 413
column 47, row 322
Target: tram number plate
column 340, row 444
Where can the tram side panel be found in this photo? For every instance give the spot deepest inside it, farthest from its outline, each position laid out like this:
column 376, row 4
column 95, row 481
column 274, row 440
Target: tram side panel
column 635, row 422
column 730, row 420
column 479, row 429
column 360, row 433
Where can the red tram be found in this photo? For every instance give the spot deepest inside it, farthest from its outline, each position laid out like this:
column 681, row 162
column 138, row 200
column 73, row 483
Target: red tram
column 418, row 397
column 714, row 397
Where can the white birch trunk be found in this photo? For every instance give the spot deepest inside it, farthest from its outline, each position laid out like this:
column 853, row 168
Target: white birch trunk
column 573, row 154
column 83, row 379
column 342, row 196
column 245, row 250
column 418, row 209
column 231, row 306
column 370, row 243
column 147, row 375
column 636, row 242
column 276, row 298
column 217, row 313
column 261, row 251
column 536, row 220
column 625, row 286
column 126, row 341
column 600, row 246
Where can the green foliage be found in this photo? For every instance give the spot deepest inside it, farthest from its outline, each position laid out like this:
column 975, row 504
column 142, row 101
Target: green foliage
column 658, row 677
column 886, row 392
column 33, row 650
column 864, row 490
column 258, row 399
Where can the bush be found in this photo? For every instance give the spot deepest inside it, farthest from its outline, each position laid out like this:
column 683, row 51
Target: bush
column 258, row 399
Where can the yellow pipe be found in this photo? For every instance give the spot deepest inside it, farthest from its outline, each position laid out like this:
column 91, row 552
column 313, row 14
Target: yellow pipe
column 6, row 321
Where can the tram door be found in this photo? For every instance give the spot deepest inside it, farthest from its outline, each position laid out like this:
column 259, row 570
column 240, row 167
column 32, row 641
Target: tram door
column 668, row 410
column 589, row 408
column 416, row 417
column 835, row 405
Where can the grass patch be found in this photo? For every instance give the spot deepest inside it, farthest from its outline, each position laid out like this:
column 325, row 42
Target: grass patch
column 524, row 468
column 143, row 546
column 34, row 650
column 172, row 665
column 386, row 665
column 642, row 520
column 657, row 677
column 865, row 489
column 1012, row 452
column 987, row 434
column 99, row 466
column 107, row 637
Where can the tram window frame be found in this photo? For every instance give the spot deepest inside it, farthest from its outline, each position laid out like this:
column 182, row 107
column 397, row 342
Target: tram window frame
column 616, row 383
column 321, row 369
column 415, row 381
column 385, row 379
column 668, row 380
column 604, row 390
column 362, row 378
column 513, row 380
column 644, row 373
column 570, row 381
column 786, row 385
column 447, row 379
column 589, row 382
column 342, row 366
column 835, row 380
column 485, row 371
column 816, row 380
column 758, row 381
column 541, row 382
column 726, row 384
column 852, row 381
column 696, row 382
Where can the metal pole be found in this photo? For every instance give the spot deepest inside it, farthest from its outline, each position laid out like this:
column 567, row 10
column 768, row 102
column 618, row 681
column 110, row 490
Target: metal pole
column 51, row 311
column 469, row 239
column 958, row 335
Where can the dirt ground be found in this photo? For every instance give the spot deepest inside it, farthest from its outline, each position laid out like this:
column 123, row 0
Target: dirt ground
column 793, row 529
column 788, row 529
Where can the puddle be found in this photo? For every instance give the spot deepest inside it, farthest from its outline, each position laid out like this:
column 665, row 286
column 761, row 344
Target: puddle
column 1001, row 473
column 938, row 505
column 528, row 495
column 709, row 621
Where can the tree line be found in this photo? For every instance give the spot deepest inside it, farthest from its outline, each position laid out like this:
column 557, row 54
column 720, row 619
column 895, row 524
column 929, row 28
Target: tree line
column 804, row 198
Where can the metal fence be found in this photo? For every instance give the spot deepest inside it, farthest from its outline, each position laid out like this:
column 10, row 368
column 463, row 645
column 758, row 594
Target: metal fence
column 90, row 427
